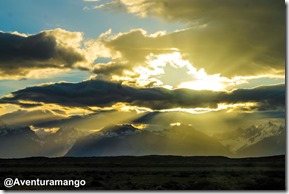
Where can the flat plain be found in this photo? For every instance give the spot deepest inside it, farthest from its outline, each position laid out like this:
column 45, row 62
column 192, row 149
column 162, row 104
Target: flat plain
column 151, row 172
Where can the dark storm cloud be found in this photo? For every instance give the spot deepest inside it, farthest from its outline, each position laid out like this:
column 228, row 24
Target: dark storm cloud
column 19, row 54
column 102, row 94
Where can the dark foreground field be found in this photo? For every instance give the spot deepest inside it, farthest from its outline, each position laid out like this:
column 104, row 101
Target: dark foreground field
column 152, row 172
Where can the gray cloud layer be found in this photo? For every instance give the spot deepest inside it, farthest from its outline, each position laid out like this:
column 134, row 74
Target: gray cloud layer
column 49, row 49
column 102, row 93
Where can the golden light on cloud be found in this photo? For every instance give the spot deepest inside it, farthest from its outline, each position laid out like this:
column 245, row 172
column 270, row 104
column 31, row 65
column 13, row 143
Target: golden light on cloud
column 7, row 108
column 139, row 126
column 244, row 107
column 63, row 111
column 124, row 107
column 191, row 110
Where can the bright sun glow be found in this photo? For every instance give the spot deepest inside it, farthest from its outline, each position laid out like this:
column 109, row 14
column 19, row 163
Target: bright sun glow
column 180, row 73
column 207, row 83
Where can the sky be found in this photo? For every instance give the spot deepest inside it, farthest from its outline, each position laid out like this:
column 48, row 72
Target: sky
column 223, row 60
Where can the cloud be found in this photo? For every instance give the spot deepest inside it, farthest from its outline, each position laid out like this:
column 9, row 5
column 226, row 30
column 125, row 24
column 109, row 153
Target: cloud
column 134, row 46
column 52, row 49
column 234, row 38
column 191, row 10
column 111, row 68
column 25, row 118
column 97, row 93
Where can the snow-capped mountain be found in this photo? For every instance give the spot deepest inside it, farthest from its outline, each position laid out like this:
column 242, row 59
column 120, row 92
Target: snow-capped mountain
column 132, row 139
column 24, row 142
column 118, row 131
column 240, row 138
column 269, row 146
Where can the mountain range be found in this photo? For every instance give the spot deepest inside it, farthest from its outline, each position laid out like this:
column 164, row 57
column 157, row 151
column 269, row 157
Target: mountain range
column 151, row 139
column 128, row 140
